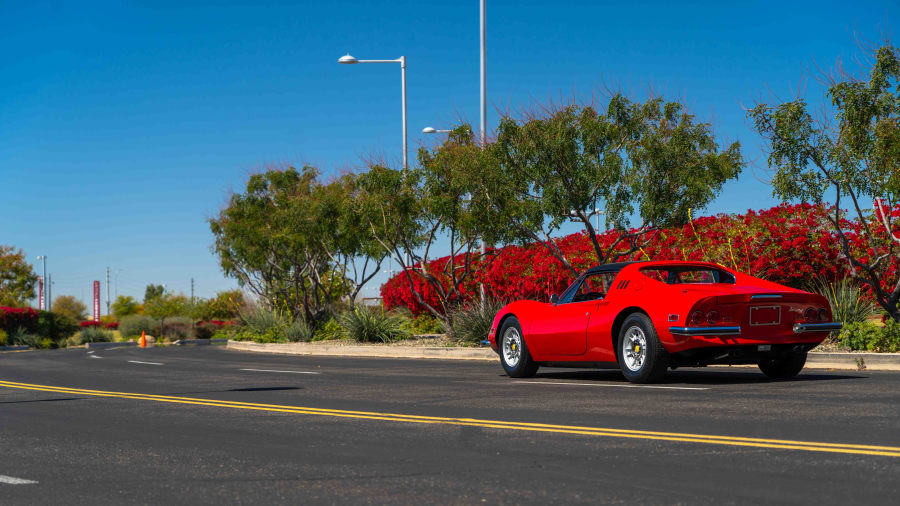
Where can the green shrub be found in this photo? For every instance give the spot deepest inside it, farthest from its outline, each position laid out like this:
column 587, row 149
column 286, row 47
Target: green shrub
column 471, row 323
column 3, row 337
column 297, row 331
column 20, row 336
column 177, row 327
column 133, row 325
column 330, row 330
column 848, row 305
column 205, row 331
column 260, row 319
column 426, row 324
column 269, row 336
column 375, row 325
column 94, row 335
column 866, row 336
column 54, row 326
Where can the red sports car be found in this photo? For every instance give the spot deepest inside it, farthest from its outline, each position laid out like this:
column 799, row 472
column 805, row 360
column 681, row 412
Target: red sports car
column 648, row 317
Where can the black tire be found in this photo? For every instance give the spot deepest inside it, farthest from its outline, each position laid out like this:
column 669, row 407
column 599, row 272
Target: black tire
column 646, row 365
column 514, row 356
column 784, row 367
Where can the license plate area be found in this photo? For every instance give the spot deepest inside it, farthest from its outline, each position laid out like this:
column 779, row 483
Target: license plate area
column 765, row 315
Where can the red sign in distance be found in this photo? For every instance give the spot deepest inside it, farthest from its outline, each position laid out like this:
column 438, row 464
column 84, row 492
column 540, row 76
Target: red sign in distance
column 96, row 301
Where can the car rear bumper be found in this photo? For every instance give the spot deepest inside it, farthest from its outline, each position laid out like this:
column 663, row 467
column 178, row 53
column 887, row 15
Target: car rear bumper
column 705, row 331
column 800, row 328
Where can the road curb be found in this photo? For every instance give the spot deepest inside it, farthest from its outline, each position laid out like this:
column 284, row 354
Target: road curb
column 94, row 346
column 844, row 361
column 200, row 342
column 20, row 347
column 854, row 361
column 429, row 352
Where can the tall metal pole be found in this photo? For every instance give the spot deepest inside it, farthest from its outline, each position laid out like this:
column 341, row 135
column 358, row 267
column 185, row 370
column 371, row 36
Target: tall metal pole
column 49, row 294
column 107, row 291
column 483, row 106
column 403, row 101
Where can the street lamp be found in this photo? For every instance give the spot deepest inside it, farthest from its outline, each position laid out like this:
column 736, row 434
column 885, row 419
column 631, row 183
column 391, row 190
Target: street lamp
column 347, row 59
column 44, row 295
column 430, row 130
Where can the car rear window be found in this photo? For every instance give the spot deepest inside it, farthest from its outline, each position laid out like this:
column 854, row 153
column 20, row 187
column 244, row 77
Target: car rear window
column 675, row 275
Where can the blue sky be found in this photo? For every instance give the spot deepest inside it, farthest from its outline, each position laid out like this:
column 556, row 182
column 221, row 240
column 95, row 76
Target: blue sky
column 125, row 125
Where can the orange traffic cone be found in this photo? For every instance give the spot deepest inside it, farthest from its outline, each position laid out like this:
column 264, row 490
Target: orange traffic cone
column 143, row 339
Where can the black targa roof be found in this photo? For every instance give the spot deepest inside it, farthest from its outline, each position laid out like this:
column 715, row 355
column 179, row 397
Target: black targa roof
column 614, row 267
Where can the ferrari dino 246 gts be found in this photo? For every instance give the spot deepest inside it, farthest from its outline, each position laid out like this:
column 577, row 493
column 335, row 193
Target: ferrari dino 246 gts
column 648, row 317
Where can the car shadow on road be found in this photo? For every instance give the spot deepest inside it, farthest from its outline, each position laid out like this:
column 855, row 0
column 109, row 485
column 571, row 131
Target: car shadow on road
column 695, row 377
column 44, row 400
column 262, row 389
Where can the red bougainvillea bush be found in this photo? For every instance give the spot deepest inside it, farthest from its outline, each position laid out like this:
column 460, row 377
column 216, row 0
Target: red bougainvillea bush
column 788, row 244
column 12, row 318
column 90, row 323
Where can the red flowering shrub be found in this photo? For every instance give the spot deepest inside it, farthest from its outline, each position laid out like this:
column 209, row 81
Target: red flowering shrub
column 111, row 325
column 787, row 244
column 90, row 323
column 12, row 318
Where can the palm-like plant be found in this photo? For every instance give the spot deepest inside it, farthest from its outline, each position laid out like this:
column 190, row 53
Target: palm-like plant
column 848, row 304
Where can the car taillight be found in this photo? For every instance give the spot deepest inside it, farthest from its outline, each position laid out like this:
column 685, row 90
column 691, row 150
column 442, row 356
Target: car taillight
column 712, row 317
column 697, row 317
column 811, row 314
column 823, row 315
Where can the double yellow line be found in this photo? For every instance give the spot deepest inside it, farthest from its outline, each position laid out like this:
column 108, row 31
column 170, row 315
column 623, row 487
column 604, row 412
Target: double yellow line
column 886, row 451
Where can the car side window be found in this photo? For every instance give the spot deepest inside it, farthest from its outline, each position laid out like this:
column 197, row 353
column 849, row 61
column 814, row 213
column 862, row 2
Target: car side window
column 594, row 287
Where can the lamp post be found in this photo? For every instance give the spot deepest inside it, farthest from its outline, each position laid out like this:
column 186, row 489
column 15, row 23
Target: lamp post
column 350, row 60
column 46, row 285
column 430, row 130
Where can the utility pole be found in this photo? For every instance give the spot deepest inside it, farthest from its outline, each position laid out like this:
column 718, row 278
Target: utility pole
column 107, row 291
column 49, row 291
column 192, row 290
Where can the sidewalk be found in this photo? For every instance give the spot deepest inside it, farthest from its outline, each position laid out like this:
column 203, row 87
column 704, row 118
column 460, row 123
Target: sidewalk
column 845, row 361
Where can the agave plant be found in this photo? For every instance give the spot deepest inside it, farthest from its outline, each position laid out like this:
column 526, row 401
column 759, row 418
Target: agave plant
column 848, row 305
column 367, row 324
column 471, row 323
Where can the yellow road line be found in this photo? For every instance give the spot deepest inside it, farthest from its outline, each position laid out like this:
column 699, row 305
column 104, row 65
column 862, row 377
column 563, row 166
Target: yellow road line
column 888, row 451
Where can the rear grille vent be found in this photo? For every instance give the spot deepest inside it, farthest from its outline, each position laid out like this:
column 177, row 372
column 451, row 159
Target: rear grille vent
column 623, row 284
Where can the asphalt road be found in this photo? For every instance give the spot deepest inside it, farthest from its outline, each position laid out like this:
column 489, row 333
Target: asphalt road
column 205, row 425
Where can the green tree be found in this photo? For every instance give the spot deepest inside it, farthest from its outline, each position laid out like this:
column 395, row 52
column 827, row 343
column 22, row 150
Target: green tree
column 17, row 279
column 650, row 161
column 153, row 291
column 165, row 306
column 226, row 305
column 292, row 241
column 850, row 151
column 124, row 306
column 70, row 308
column 409, row 211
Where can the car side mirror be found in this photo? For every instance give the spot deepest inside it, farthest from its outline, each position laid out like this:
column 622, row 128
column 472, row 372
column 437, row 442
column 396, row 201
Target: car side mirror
column 554, row 299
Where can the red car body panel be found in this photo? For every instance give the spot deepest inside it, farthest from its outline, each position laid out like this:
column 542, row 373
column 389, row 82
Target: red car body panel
column 586, row 331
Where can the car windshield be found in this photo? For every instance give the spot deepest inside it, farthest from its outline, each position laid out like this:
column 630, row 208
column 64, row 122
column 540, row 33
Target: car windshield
column 589, row 287
column 675, row 275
